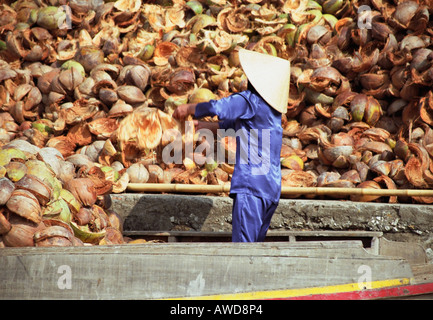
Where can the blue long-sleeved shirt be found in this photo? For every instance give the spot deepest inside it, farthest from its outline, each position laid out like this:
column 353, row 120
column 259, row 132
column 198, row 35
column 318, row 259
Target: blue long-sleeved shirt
column 258, row 142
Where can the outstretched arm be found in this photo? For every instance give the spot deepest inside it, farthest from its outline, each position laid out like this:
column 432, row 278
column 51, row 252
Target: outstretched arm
column 227, row 109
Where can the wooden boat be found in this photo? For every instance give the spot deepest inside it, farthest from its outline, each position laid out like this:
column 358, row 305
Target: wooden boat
column 197, row 265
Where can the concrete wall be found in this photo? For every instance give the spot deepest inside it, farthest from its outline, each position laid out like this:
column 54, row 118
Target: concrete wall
column 402, row 222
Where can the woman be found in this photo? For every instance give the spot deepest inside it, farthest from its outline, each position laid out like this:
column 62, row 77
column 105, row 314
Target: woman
column 255, row 114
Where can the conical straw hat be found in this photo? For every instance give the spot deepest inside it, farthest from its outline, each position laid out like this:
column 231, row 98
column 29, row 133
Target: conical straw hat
column 269, row 75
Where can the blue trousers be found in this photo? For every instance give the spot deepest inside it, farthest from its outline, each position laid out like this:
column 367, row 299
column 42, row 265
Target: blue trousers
column 251, row 217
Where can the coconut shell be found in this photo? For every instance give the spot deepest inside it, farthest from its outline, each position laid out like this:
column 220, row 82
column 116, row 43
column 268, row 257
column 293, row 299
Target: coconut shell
column 137, row 241
column 170, row 174
column 112, row 236
column 64, row 144
column 15, row 170
column 84, row 234
column 131, row 94
column 156, row 174
column 55, row 235
column 79, row 135
column 163, row 51
column 83, row 189
column 181, row 81
column 115, row 220
column 102, row 128
column 5, row 225
column 21, row 233
column 297, row 178
column 6, row 189
column 54, row 242
column 25, row 204
column 39, row 188
column 138, row 173
column 121, row 184
column 83, row 216
column 366, row 198
column 101, row 184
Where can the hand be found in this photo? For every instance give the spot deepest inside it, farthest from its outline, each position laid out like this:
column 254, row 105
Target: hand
column 212, row 126
column 183, row 111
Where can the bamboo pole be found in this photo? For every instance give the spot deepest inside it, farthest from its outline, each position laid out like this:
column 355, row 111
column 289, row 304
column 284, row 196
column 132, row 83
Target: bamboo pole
column 176, row 187
column 191, row 188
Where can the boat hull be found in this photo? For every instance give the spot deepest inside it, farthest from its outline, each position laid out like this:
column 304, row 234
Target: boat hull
column 270, row 270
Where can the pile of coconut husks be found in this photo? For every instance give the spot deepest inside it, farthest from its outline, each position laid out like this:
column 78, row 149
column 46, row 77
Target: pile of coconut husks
column 87, row 89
